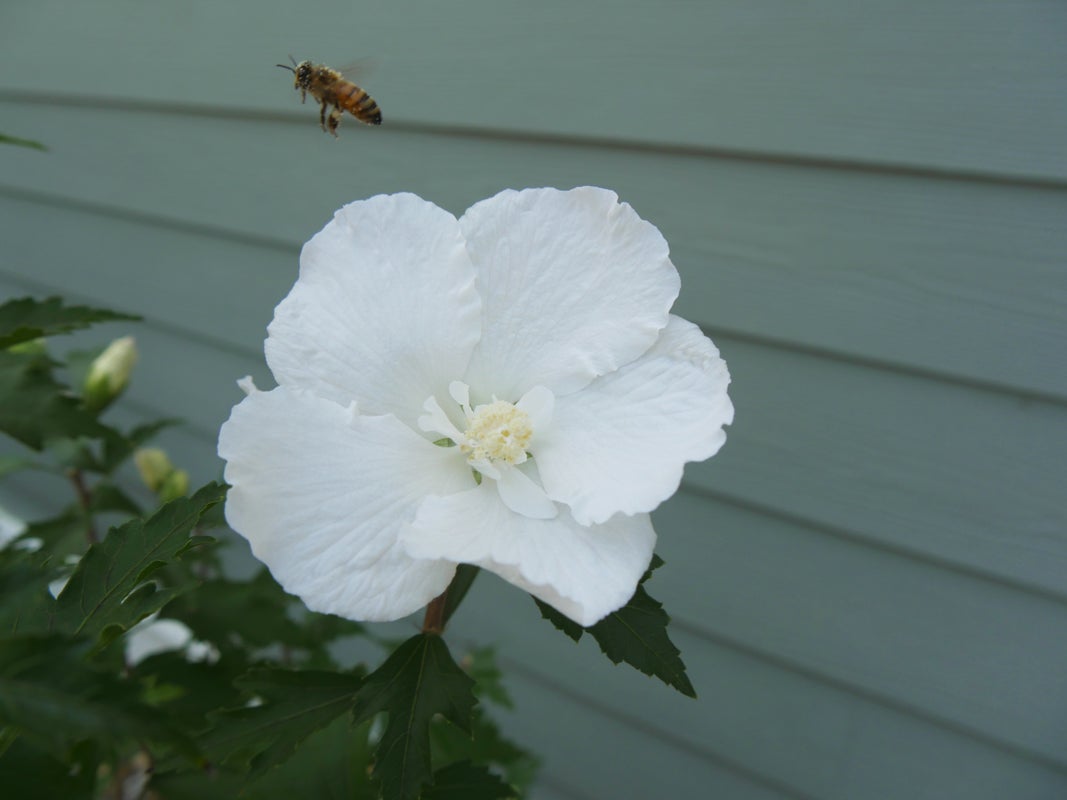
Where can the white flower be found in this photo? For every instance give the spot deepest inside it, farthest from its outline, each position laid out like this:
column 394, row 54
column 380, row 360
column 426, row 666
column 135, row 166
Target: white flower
column 152, row 636
column 534, row 335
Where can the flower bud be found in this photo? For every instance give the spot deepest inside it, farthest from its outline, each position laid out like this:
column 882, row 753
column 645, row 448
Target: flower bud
column 160, row 475
column 174, row 486
column 153, row 465
column 110, row 373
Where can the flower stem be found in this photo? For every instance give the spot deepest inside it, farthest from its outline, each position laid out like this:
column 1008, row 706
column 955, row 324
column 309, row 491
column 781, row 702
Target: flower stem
column 84, row 500
column 434, row 621
column 442, row 607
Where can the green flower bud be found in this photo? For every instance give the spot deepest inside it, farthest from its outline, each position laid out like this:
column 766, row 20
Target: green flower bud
column 109, row 373
column 160, row 475
column 174, row 486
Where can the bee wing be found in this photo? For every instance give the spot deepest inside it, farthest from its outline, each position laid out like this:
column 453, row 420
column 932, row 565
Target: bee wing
column 359, row 69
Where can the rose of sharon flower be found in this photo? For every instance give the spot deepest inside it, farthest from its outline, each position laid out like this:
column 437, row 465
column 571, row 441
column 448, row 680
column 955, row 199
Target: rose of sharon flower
column 507, row 390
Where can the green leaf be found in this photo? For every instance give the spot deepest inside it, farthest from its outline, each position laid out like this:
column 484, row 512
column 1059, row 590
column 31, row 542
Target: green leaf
column 187, row 691
column 34, row 407
column 31, row 774
column 480, row 664
column 24, row 579
column 636, row 634
column 486, row 745
column 294, row 704
column 331, row 764
column 12, row 464
column 417, row 681
column 119, row 448
column 25, row 319
column 63, row 535
column 50, row 694
column 467, row 781
column 15, row 140
column 109, row 497
column 108, row 588
column 236, row 615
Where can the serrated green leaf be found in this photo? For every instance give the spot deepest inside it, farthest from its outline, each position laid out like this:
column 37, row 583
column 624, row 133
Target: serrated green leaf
column 107, row 496
column 51, row 695
column 636, row 634
column 24, row 579
column 486, row 745
column 417, row 681
column 467, row 781
column 561, row 622
column 26, row 318
column 101, row 592
column 63, row 535
column 35, row 408
column 294, row 704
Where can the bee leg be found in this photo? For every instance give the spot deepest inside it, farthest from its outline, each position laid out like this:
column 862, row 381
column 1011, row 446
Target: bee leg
column 322, row 116
column 334, row 120
column 303, row 95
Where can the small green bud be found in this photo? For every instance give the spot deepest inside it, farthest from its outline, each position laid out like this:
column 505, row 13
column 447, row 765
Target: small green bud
column 109, row 373
column 153, row 465
column 174, row 486
column 160, row 475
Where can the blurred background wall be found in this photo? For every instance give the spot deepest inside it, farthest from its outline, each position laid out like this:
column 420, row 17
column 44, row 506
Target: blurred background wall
column 868, row 206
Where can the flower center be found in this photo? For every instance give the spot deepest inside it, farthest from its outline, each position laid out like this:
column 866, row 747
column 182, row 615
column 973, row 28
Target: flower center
column 497, row 431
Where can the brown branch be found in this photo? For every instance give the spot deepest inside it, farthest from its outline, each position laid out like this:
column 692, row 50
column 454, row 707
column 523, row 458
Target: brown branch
column 85, row 500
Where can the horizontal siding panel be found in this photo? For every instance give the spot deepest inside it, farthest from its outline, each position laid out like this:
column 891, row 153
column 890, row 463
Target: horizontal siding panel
column 948, row 647
column 946, row 84
column 969, row 477
column 789, row 728
column 946, row 277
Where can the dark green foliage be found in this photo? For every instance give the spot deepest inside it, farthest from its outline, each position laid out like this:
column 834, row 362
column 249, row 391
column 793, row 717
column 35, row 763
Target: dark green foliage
column 109, row 587
column 26, row 319
column 34, row 407
column 467, row 781
column 417, row 681
column 292, row 705
column 239, row 616
column 49, row 694
column 636, row 634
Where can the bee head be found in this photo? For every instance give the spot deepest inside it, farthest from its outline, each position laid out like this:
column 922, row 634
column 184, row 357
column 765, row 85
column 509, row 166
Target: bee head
column 303, row 74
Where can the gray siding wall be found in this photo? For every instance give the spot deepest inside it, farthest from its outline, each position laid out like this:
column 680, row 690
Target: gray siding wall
column 868, row 206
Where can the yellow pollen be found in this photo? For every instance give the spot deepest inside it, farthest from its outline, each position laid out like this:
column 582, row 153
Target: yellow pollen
column 498, row 431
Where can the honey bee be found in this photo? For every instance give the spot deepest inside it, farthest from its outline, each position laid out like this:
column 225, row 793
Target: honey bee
column 330, row 88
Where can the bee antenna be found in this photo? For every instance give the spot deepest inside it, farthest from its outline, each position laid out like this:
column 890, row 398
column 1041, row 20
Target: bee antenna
column 292, row 59
column 285, row 66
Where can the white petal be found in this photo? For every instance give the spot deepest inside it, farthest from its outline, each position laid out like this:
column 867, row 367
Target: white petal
column 385, row 311
column 322, row 494
column 620, row 444
column 584, row 572
column 573, row 285
column 153, row 636
column 523, row 496
column 538, row 404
